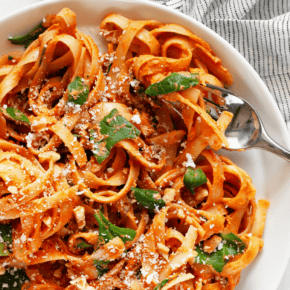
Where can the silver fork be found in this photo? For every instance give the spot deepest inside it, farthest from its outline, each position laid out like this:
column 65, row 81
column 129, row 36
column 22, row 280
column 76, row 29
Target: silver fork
column 246, row 129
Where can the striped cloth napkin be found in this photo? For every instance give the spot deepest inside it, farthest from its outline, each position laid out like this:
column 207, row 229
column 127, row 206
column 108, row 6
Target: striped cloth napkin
column 258, row 29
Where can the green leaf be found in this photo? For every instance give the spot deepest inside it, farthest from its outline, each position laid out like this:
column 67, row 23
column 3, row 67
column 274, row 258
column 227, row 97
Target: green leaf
column 29, row 37
column 161, row 284
column 10, row 57
column 100, row 266
column 6, row 235
column 107, row 231
column 78, row 91
column 146, row 198
column 194, row 178
column 83, row 245
column 17, row 115
column 114, row 128
column 232, row 245
column 13, row 279
column 173, row 83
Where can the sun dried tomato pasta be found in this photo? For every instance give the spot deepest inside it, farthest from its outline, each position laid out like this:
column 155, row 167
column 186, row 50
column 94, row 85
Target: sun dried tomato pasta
column 109, row 175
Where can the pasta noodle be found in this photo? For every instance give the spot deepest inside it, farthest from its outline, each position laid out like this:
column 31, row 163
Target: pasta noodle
column 109, row 175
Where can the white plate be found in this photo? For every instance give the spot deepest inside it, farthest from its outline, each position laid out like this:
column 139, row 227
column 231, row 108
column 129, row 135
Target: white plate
column 270, row 174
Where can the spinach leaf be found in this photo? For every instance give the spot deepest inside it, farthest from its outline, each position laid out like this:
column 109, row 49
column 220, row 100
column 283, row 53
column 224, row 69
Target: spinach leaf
column 232, row 245
column 13, row 279
column 17, row 115
column 161, row 284
column 101, row 267
column 146, row 198
column 83, row 245
column 173, row 83
column 115, row 128
column 107, row 231
column 29, row 37
column 193, row 178
column 78, row 91
column 6, row 235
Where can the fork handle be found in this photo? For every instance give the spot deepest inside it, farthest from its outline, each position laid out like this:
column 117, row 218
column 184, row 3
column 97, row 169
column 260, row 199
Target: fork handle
column 267, row 143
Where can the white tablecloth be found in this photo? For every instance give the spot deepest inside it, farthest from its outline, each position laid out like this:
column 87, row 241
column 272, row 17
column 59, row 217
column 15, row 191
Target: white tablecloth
column 8, row 6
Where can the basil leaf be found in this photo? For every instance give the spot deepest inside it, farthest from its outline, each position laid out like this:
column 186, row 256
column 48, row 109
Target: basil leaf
column 100, row 266
column 6, row 235
column 13, row 279
column 141, row 92
column 107, row 231
column 173, row 83
column 78, row 91
column 146, row 198
column 17, row 115
column 161, row 284
column 194, row 178
column 117, row 128
column 83, row 245
column 232, row 245
column 235, row 245
column 29, row 37
column 10, row 57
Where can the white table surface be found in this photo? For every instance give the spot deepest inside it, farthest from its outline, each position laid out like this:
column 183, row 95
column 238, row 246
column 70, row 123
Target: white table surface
column 8, row 6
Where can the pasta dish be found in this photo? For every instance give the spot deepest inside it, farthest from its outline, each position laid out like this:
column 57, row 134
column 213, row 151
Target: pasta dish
column 109, row 176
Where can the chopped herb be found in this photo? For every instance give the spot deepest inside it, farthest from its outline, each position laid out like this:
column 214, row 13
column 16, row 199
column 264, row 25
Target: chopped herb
column 109, row 68
column 10, row 57
column 139, row 274
column 17, row 114
column 107, row 231
column 78, row 91
column 13, row 279
column 146, row 198
column 231, row 246
column 141, row 91
column 77, row 135
column 115, row 128
column 208, row 110
column 29, row 37
column 83, row 245
column 6, row 235
column 161, row 284
column 100, row 266
column 194, row 178
column 173, row 83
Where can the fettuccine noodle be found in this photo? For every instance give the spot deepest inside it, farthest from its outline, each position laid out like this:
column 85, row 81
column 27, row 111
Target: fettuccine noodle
column 65, row 175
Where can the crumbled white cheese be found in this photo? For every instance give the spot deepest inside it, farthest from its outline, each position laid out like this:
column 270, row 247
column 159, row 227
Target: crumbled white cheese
column 12, row 189
column 136, row 119
column 189, row 162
